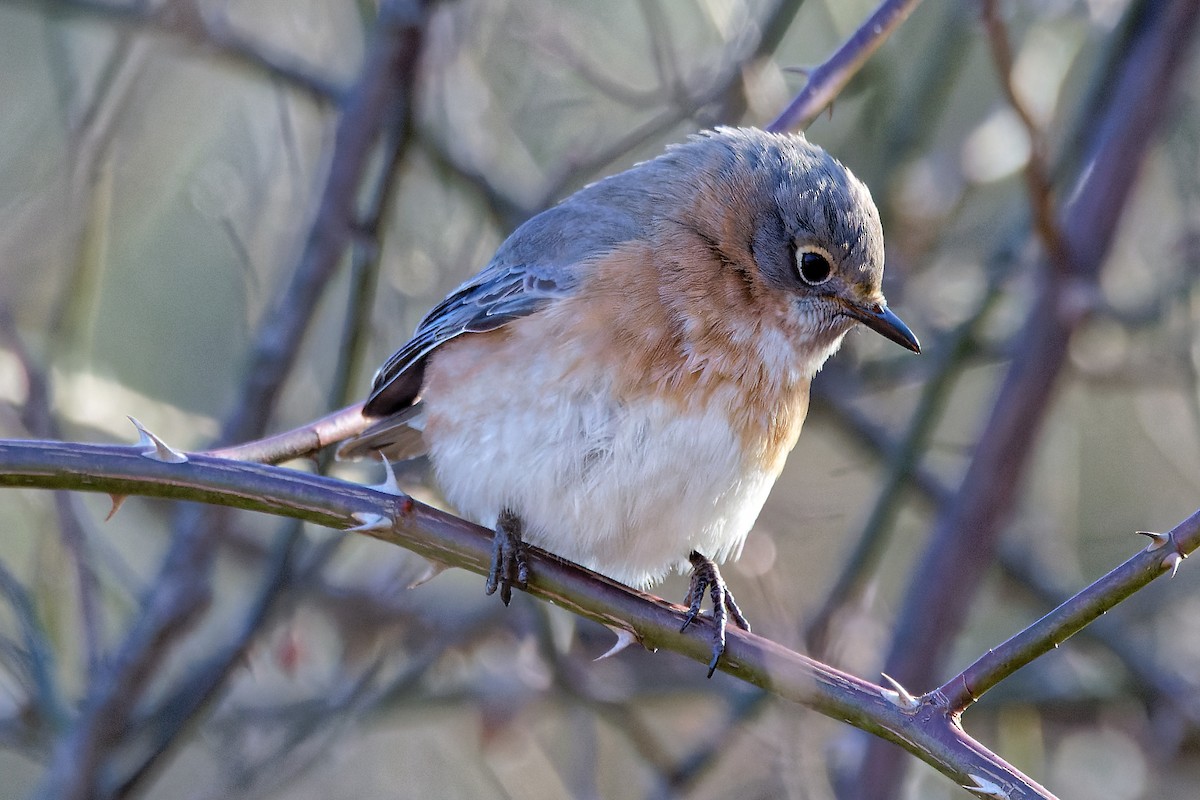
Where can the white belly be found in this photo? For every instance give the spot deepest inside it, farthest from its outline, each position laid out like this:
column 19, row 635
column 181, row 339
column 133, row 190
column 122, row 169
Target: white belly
column 627, row 490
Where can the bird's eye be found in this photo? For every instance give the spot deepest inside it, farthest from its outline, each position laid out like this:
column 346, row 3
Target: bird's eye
column 813, row 266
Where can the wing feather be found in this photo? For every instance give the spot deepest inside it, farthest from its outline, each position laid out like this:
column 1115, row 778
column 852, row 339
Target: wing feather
column 491, row 299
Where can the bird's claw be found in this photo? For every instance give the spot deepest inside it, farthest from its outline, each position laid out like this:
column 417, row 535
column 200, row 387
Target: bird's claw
column 706, row 576
column 509, row 567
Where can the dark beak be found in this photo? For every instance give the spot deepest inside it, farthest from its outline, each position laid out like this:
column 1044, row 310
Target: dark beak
column 879, row 318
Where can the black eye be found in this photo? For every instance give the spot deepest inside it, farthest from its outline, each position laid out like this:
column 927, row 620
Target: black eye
column 813, row 266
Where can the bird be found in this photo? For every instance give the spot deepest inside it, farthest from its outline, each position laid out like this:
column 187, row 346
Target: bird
column 622, row 383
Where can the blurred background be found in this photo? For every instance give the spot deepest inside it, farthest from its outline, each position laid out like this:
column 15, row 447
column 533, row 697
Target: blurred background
column 220, row 217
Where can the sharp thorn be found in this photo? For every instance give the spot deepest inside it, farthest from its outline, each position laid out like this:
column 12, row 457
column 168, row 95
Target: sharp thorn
column 117, row 501
column 1172, row 562
column 432, row 570
column 155, row 448
column 369, row 522
column 390, row 485
column 985, row 788
column 624, row 639
column 1157, row 540
column 898, row 695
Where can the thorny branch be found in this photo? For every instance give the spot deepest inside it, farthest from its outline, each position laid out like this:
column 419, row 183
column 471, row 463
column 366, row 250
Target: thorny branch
column 827, row 80
column 927, row 727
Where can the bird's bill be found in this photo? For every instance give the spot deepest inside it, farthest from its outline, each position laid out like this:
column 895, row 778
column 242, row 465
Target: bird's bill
column 879, row 318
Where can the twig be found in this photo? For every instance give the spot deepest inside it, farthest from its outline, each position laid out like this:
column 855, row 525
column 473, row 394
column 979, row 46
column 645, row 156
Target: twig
column 827, row 81
column 662, row 50
column 199, row 687
column 1037, row 170
column 549, row 41
column 773, row 28
column 507, row 211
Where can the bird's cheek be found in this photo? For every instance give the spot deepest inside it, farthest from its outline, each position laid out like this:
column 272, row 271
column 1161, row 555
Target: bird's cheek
column 817, row 320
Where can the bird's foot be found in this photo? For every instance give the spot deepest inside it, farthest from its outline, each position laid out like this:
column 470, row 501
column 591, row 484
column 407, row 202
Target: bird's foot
column 509, row 567
column 706, row 576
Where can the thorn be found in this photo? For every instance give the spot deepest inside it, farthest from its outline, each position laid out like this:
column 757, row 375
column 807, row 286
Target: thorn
column 1172, row 562
column 624, row 639
column 432, row 570
column 1157, row 540
column 390, row 485
column 829, row 110
column 117, row 501
column 369, row 522
column 898, row 695
column 804, row 72
column 986, row 788
column 155, row 448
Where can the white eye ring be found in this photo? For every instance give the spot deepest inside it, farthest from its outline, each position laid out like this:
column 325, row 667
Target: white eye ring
column 813, row 264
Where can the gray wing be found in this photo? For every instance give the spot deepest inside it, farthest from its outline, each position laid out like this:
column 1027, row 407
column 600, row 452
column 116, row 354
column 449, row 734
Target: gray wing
column 493, row 298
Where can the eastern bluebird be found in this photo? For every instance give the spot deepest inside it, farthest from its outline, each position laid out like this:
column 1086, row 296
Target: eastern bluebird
column 622, row 383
